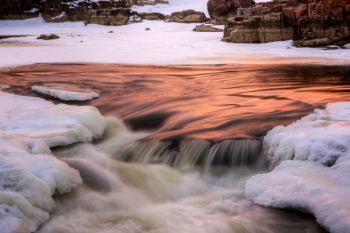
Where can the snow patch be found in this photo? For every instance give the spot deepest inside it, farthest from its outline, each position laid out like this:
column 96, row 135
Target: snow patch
column 165, row 43
column 313, row 167
column 66, row 94
column 174, row 6
column 310, row 187
column 29, row 174
column 56, row 125
column 322, row 136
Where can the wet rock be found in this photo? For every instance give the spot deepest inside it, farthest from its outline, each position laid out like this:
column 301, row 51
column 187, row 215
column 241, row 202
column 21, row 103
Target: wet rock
column 206, row 28
column 48, row 37
column 188, row 16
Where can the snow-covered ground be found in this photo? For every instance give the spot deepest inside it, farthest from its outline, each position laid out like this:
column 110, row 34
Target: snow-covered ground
column 65, row 94
column 173, row 6
column 29, row 174
column 321, row 184
column 165, row 43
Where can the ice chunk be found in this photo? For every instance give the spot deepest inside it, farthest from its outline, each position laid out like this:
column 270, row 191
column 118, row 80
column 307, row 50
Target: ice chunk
column 313, row 167
column 66, row 94
column 29, row 174
column 310, row 187
column 321, row 136
column 57, row 125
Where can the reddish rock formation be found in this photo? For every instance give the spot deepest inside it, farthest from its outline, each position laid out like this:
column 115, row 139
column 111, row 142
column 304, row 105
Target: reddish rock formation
column 311, row 23
column 221, row 9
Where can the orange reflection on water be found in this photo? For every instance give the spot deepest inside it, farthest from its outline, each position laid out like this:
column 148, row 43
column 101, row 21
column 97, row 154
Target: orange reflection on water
column 206, row 102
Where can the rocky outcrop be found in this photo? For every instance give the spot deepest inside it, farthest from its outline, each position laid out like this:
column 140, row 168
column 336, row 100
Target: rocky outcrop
column 311, row 23
column 106, row 12
column 188, row 16
column 18, row 9
column 151, row 16
column 267, row 28
column 220, row 10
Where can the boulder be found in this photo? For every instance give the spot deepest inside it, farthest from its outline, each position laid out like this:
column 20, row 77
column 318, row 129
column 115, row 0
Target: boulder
column 188, row 16
column 48, row 37
column 151, row 16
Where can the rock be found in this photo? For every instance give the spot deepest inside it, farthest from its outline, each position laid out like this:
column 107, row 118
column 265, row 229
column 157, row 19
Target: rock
column 310, row 23
column 48, row 37
column 206, row 28
column 188, row 16
column 147, row 29
column 112, row 17
column 18, row 9
column 151, row 16
column 262, row 29
column 221, row 9
column 149, row 2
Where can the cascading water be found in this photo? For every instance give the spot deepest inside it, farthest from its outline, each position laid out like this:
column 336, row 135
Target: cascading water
column 140, row 196
column 193, row 137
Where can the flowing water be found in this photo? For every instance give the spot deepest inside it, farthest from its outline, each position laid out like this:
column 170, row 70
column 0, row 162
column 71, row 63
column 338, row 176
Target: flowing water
column 189, row 138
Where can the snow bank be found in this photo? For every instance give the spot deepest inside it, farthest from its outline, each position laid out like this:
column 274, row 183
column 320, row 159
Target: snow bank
column 173, row 6
column 29, row 174
column 314, row 175
column 66, row 95
column 310, row 187
column 27, row 183
column 322, row 136
column 165, row 44
column 56, row 125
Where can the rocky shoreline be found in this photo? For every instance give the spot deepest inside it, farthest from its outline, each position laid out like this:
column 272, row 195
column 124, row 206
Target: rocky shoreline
column 309, row 23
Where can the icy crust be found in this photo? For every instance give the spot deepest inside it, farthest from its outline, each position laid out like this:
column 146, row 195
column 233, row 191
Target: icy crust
column 29, row 174
column 27, row 183
column 66, row 95
column 322, row 136
column 313, row 168
column 310, row 187
column 56, row 125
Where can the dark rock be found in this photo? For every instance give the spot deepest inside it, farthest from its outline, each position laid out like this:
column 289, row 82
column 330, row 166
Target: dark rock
column 221, row 9
column 151, row 16
column 48, row 37
column 188, row 16
column 113, row 17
